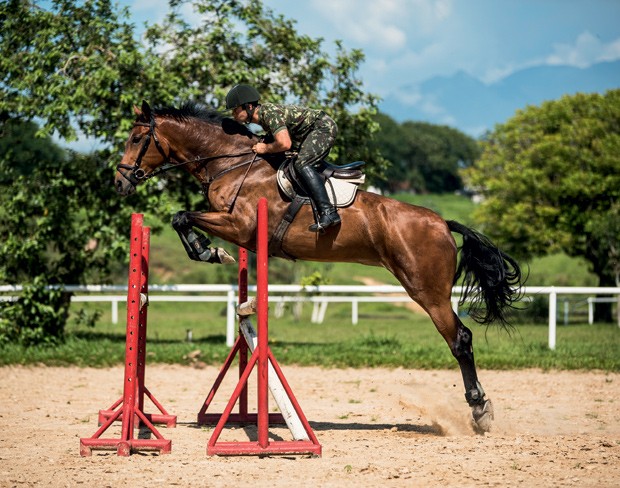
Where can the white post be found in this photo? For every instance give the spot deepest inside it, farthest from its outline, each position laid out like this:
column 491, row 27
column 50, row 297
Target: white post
column 354, row 314
column 455, row 304
column 553, row 301
column 231, row 318
column 566, row 306
column 279, row 310
column 315, row 313
column 322, row 312
column 115, row 311
column 276, row 387
column 590, row 311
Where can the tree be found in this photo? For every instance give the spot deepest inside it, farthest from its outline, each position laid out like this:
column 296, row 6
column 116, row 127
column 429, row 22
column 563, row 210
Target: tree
column 81, row 73
column 50, row 231
column 424, row 157
column 551, row 181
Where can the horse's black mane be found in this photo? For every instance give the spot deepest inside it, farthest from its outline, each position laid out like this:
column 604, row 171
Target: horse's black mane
column 195, row 110
column 190, row 110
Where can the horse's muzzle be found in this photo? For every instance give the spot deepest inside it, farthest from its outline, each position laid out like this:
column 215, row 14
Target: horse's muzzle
column 123, row 186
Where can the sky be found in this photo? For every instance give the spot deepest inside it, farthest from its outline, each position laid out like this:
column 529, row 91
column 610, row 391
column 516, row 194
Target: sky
column 409, row 41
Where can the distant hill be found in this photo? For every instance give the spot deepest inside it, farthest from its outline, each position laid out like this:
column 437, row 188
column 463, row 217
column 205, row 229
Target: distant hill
column 473, row 107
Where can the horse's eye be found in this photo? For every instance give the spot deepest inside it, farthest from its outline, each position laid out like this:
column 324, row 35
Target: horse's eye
column 136, row 139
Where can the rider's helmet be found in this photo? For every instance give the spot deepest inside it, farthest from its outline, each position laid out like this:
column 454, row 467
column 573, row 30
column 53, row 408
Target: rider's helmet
column 240, row 95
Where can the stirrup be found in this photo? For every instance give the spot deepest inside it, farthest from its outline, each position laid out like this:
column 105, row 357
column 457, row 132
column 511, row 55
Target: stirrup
column 324, row 221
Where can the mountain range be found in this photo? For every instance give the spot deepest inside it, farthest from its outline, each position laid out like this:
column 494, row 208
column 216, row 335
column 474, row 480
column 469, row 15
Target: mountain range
column 473, row 107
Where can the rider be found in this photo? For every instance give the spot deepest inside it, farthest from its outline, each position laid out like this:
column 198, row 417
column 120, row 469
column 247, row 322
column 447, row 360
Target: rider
column 311, row 133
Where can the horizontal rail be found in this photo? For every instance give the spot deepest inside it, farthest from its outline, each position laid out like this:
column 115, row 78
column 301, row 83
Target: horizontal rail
column 227, row 294
column 201, row 288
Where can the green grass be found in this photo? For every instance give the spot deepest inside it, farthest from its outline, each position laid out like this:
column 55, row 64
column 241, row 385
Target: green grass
column 386, row 336
column 449, row 206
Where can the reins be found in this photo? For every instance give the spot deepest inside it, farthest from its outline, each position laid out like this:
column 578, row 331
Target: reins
column 232, row 203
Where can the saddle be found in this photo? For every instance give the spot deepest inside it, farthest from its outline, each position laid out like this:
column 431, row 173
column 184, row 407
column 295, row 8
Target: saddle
column 341, row 182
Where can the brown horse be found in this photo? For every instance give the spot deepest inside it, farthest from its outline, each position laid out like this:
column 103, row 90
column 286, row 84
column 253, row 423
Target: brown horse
column 413, row 243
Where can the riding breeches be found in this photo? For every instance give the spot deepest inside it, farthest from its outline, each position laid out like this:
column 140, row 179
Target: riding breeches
column 317, row 144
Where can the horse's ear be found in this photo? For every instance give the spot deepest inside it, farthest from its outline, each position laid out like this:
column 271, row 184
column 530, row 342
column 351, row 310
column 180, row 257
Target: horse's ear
column 146, row 109
column 137, row 111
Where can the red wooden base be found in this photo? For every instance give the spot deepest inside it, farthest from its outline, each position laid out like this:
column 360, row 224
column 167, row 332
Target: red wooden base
column 260, row 359
column 129, row 409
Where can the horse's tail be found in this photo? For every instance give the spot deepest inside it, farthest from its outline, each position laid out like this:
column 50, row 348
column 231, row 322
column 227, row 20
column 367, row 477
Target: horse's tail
column 492, row 280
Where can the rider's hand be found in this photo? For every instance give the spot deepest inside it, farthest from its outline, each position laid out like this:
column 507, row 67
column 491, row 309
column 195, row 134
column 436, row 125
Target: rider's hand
column 260, row 148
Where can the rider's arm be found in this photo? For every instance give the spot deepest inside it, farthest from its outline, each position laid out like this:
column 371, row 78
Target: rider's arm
column 282, row 142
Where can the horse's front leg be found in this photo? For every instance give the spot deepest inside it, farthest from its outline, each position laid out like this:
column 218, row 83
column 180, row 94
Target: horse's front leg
column 196, row 244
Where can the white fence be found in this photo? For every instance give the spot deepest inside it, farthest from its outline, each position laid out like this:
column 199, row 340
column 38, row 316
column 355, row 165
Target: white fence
column 319, row 295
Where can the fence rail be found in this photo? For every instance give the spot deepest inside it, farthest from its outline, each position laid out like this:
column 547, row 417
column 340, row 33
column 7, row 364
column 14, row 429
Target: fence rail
column 320, row 295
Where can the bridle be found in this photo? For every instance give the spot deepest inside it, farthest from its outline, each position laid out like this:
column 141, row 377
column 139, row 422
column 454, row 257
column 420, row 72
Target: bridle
column 137, row 174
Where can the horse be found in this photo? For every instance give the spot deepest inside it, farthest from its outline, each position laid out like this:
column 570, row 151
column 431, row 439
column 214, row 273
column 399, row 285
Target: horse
column 414, row 243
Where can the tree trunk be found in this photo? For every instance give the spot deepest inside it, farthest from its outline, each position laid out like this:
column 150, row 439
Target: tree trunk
column 603, row 311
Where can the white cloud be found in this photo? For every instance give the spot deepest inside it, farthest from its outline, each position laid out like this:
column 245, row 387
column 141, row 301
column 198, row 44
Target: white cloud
column 585, row 51
column 386, row 24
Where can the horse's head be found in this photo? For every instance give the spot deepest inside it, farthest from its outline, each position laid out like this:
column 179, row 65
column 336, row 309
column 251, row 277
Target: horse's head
column 143, row 153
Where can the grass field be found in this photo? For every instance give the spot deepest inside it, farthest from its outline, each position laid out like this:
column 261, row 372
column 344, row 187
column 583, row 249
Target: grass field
column 385, row 336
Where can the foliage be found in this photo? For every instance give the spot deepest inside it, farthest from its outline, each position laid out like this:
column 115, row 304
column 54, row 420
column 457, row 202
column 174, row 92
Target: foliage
column 21, row 149
column 75, row 67
column 38, row 316
column 424, row 157
column 60, row 223
column 551, row 181
column 82, row 70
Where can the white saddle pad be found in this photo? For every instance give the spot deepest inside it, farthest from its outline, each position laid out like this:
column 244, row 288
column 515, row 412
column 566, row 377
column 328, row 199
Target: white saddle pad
column 341, row 191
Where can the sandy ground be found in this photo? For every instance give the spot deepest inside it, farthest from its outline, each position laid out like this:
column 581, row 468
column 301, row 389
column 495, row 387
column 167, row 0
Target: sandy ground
column 377, row 427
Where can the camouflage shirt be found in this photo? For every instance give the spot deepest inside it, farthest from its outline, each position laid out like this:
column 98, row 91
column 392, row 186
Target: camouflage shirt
column 298, row 120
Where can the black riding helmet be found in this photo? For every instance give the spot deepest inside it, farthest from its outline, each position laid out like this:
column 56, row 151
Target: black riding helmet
column 240, row 95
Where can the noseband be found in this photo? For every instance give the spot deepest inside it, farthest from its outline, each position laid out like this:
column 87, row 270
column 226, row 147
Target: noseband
column 137, row 174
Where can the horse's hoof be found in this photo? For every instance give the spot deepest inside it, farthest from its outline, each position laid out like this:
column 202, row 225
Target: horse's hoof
column 482, row 417
column 224, row 257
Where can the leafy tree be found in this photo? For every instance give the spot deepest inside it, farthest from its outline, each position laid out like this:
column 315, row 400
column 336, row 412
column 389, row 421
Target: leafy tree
column 551, row 181
column 19, row 143
column 424, row 157
column 74, row 66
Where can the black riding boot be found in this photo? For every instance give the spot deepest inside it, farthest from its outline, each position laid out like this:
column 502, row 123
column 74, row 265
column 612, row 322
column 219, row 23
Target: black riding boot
column 327, row 213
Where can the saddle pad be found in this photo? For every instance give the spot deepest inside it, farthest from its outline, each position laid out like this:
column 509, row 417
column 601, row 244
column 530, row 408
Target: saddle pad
column 341, row 192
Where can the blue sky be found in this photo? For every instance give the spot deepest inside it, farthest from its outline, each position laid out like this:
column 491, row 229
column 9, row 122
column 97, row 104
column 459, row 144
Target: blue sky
column 409, row 41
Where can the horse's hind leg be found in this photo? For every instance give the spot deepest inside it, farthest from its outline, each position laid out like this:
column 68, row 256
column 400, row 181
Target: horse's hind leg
column 459, row 339
column 481, row 407
column 196, row 244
